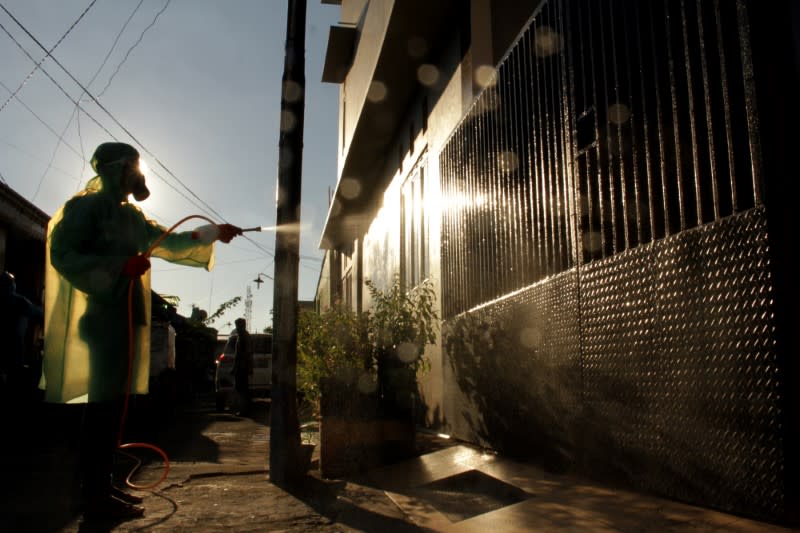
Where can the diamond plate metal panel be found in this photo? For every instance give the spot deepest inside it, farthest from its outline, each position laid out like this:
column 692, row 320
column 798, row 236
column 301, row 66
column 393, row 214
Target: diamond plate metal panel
column 514, row 366
column 719, row 362
column 681, row 378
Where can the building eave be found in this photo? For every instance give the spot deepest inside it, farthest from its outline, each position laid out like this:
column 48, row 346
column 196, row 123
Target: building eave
column 22, row 216
column 379, row 121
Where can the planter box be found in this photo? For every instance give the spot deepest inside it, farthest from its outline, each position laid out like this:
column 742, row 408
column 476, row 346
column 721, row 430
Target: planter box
column 350, row 432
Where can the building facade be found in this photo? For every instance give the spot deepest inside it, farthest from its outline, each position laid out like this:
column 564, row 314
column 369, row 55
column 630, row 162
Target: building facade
column 598, row 191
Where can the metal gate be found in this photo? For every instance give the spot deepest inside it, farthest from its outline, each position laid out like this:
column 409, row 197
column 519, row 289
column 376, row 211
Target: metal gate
column 609, row 182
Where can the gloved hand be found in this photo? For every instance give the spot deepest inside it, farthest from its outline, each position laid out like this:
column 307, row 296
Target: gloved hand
column 135, row 266
column 227, row 232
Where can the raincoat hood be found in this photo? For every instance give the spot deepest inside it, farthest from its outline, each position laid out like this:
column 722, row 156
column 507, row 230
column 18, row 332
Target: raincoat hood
column 108, row 161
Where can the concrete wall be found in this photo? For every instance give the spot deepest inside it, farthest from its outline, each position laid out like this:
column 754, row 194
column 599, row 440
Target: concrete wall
column 353, row 93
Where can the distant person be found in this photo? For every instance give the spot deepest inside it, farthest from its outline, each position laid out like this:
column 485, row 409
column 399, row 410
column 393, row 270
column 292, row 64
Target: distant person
column 16, row 314
column 95, row 244
column 243, row 366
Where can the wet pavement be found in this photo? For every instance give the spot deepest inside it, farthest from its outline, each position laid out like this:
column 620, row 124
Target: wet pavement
column 218, row 481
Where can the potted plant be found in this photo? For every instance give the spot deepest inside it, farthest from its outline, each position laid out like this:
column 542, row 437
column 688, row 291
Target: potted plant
column 401, row 324
column 337, row 378
column 359, row 373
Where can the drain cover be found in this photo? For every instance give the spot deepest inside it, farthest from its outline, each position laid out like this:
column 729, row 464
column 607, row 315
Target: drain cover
column 469, row 494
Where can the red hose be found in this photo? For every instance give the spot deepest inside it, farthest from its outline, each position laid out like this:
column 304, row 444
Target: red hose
column 131, row 356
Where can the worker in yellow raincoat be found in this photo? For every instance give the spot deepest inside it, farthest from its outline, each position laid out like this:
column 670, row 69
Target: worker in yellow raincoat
column 94, row 247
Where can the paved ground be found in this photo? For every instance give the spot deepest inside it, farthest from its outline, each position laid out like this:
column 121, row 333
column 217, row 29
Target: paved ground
column 219, row 482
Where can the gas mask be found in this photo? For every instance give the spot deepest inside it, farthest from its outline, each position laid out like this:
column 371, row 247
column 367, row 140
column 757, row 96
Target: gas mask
column 139, row 189
column 136, row 182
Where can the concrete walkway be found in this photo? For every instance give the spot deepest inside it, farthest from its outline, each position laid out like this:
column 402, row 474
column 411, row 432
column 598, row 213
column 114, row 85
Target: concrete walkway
column 219, row 482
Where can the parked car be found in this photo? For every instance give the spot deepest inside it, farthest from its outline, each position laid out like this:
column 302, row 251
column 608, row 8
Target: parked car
column 260, row 381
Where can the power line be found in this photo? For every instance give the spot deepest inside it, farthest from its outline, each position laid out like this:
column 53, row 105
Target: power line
column 37, row 158
column 101, row 93
column 53, row 79
column 53, row 156
column 208, row 208
column 114, row 45
column 48, row 52
column 77, row 104
column 41, row 120
column 104, row 109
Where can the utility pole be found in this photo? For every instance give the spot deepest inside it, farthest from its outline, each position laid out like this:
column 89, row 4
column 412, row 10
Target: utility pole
column 284, row 442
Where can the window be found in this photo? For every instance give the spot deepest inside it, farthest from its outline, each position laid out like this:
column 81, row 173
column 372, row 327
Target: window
column 414, row 230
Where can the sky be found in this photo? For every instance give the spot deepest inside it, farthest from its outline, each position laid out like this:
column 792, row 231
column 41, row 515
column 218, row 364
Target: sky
column 195, row 86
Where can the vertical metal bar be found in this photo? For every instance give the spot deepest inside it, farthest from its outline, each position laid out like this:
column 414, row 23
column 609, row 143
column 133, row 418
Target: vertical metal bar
column 687, row 60
column 476, row 250
column 512, row 180
column 567, row 100
column 549, row 152
column 712, row 156
column 675, row 119
column 623, row 189
column 726, row 108
column 531, row 227
column 497, row 227
column 444, row 222
column 604, row 244
column 550, row 165
column 662, row 149
column 459, row 233
column 634, row 113
column 604, row 142
column 648, row 156
column 560, row 176
column 750, row 100
column 480, row 185
column 579, row 61
column 538, row 142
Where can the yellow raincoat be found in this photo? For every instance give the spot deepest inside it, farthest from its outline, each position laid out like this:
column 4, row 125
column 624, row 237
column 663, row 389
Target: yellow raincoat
column 86, row 295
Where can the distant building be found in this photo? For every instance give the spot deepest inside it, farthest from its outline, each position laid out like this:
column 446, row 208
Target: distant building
column 599, row 191
column 23, row 230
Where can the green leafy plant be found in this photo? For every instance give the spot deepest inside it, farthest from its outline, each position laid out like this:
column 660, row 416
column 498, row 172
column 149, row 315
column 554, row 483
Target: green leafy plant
column 332, row 345
column 403, row 322
column 358, row 349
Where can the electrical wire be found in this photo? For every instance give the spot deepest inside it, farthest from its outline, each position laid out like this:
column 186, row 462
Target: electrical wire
column 42, row 121
column 37, row 158
column 48, row 52
column 208, row 209
column 101, row 93
column 101, row 126
column 103, row 108
column 114, row 45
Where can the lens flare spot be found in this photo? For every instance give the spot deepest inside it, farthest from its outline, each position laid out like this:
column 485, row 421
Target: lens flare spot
column 288, row 121
column 592, row 241
column 618, row 113
column 530, row 337
column 428, row 75
column 292, row 91
column 350, row 188
column 507, row 162
column 485, row 76
column 547, row 41
column 407, row 352
column 377, row 92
